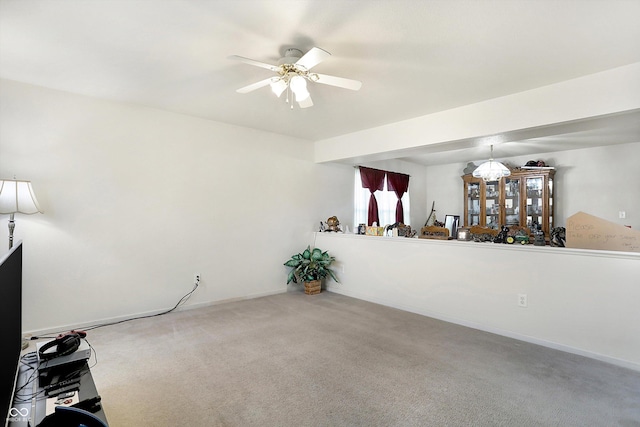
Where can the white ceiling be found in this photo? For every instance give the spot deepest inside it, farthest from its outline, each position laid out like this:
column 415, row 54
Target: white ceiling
column 414, row 57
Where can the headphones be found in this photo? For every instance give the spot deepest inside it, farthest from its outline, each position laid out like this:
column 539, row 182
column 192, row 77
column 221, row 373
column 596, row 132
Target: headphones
column 65, row 344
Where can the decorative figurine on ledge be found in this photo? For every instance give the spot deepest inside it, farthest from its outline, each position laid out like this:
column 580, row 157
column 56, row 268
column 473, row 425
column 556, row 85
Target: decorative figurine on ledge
column 538, row 237
column 558, row 237
column 502, row 235
column 398, row 229
column 482, row 234
column 332, row 224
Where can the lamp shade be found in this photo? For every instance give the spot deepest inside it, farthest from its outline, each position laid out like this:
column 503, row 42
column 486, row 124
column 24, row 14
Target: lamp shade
column 491, row 171
column 298, row 83
column 18, row 196
column 278, row 86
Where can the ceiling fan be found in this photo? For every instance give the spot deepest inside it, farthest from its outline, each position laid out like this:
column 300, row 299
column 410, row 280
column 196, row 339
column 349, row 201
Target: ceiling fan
column 293, row 74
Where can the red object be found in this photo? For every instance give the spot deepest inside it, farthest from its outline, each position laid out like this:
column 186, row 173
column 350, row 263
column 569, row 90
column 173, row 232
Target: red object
column 398, row 183
column 373, row 180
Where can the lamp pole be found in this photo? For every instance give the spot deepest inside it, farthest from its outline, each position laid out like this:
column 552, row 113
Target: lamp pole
column 12, row 226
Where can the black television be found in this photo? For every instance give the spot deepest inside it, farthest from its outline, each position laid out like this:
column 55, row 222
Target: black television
column 10, row 326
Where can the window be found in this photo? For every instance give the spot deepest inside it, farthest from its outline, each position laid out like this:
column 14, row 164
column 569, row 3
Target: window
column 387, row 201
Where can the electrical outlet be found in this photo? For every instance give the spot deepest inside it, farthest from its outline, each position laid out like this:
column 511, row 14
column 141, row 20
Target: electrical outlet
column 622, row 214
column 196, row 278
column 522, row 300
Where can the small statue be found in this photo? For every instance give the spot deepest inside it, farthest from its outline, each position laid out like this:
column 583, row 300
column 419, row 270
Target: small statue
column 538, row 238
column 333, row 224
column 558, row 237
column 502, row 235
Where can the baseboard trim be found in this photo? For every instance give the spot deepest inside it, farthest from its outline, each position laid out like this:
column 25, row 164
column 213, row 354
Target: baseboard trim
column 228, row 300
column 80, row 326
column 526, row 338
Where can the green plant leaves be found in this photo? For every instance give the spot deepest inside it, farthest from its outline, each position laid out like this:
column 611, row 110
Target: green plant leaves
column 333, row 276
column 310, row 265
column 291, row 277
column 292, row 263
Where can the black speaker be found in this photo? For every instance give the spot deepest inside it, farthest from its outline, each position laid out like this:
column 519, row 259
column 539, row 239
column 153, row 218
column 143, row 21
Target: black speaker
column 64, row 344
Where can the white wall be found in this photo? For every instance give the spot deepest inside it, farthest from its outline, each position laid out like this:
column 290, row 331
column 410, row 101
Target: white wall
column 601, row 181
column 137, row 200
column 580, row 301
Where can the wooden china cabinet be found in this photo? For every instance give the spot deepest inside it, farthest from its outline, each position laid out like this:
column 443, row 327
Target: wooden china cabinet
column 521, row 199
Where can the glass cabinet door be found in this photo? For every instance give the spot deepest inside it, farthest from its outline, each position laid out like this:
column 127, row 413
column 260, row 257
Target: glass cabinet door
column 492, row 204
column 512, row 201
column 534, row 186
column 473, row 203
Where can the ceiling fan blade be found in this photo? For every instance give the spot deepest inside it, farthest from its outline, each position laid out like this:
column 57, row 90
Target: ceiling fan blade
column 338, row 81
column 306, row 103
column 256, row 63
column 254, row 86
column 312, row 58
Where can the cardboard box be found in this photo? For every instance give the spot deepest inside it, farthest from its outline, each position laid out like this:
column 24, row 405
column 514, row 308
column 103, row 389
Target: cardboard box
column 586, row 231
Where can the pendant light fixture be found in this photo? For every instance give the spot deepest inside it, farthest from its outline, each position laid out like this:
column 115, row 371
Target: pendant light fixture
column 491, row 170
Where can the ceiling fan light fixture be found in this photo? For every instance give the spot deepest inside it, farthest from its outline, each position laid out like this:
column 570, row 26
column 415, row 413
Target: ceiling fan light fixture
column 298, row 83
column 293, row 73
column 278, row 85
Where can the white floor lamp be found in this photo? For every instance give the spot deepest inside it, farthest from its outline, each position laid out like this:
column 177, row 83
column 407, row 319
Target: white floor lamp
column 17, row 196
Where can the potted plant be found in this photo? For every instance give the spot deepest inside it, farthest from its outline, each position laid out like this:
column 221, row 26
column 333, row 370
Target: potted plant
column 310, row 267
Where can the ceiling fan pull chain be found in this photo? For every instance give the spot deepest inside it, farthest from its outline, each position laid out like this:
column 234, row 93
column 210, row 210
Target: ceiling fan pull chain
column 289, row 96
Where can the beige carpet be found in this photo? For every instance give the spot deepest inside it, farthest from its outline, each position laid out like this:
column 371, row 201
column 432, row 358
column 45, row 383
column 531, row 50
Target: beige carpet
column 331, row 360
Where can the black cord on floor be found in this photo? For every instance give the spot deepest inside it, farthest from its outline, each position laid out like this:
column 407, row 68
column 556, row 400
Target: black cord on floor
column 90, row 328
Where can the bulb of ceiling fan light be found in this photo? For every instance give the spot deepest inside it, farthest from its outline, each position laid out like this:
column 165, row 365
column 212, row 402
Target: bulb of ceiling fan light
column 278, row 86
column 298, row 83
